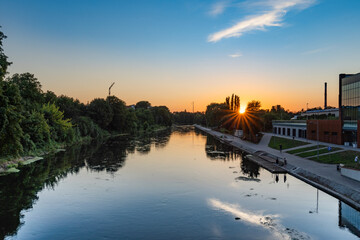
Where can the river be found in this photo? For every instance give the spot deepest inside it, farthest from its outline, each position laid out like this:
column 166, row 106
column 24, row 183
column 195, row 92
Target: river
column 178, row 184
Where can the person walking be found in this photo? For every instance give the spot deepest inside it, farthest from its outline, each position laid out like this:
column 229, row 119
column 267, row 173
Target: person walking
column 280, row 147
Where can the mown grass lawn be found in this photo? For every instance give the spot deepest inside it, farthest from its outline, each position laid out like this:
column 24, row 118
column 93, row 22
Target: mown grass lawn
column 299, row 150
column 285, row 142
column 347, row 158
column 314, row 153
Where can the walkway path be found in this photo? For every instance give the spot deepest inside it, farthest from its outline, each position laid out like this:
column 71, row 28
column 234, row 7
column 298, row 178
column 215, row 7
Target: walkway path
column 348, row 189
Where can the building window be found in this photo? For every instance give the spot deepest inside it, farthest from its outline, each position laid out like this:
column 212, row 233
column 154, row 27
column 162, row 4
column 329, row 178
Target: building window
column 326, row 133
column 334, row 133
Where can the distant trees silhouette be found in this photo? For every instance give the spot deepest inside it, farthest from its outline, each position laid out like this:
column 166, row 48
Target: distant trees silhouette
column 227, row 117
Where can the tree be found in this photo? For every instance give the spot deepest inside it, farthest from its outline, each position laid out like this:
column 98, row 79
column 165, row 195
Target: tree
column 215, row 113
column 119, row 110
column 251, row 122
column 162, row 115
column 253, row 106
column 60, row 128
column 71, row 107
column 144, row 117
column 143, row 105
column 101, row 112
column 4, row 64
column 11, row 131
column 234, row 104
column 30, row 90
column 50, row 97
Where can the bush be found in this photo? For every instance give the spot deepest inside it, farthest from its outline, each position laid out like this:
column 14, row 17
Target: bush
column 60, row 128
column 36, row 130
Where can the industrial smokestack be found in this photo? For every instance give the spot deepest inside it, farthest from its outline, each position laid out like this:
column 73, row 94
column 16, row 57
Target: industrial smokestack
column 325, row 101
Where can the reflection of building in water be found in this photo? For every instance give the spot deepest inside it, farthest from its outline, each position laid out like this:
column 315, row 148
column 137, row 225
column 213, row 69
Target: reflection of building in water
column 349, row 218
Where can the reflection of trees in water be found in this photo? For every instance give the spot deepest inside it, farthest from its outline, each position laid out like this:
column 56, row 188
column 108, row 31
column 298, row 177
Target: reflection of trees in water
column 215, row 150
column 110, row 156
column 250, row 168
column 19, row 191
column 184, row 129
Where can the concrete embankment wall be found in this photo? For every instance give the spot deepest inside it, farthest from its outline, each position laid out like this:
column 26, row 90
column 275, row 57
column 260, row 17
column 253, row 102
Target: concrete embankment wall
column 340, row 191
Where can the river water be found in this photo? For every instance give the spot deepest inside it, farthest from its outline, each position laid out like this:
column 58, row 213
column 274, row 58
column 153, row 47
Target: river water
column 178, row 184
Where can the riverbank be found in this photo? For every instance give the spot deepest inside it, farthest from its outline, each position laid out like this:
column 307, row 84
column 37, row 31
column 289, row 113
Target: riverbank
column 323, row 176
column 10, row 165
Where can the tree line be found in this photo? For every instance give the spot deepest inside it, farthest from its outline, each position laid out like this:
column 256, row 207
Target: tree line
column 226, row 117
column 32, row 120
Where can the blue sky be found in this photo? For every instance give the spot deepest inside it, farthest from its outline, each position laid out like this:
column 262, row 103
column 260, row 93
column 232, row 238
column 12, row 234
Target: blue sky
column 175, row 52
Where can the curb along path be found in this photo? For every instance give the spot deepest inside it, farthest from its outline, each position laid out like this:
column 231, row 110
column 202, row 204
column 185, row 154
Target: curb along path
column 322, row 176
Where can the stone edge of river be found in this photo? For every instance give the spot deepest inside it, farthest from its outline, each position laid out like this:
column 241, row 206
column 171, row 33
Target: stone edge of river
column 340, row 191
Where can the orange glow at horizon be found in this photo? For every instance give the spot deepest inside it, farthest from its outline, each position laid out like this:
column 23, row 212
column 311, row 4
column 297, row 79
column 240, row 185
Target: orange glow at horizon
column 242, row 110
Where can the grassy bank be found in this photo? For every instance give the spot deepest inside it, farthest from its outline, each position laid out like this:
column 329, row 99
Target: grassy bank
column 10, row 164
column 285, row 142
column 347, row 158
column 300, row 150
column 315, row 152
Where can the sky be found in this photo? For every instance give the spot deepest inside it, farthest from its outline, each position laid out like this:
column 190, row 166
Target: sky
column 175, row 53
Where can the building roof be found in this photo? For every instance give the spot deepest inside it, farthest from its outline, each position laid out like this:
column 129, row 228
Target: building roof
column 289, row 123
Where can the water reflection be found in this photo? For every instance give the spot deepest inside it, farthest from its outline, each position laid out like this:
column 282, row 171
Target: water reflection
column 349, row 218
column 249, row 168
column 18, row 192
column 218, row 151
column 269, row 222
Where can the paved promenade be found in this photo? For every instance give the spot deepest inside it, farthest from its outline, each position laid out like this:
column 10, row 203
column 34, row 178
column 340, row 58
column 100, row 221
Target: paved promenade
column 329, row 176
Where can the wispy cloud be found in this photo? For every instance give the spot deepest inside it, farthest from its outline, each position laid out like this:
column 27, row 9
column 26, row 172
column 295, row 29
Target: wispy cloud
column 235, row 55
column 272, row 15
column 218, row 8
column 314, row 51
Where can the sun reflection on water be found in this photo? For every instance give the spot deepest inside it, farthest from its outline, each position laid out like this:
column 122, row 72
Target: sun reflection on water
column 269, row 222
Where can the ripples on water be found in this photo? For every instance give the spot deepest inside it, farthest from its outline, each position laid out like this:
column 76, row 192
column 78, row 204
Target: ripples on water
column 176, row 184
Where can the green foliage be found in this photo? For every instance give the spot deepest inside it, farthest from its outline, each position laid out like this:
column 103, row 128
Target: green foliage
column 143, row 105
column 119, row 110
column 72, row 108
column 234, row 103
column 30, row 90
column 88, row 128
column 162, row 115
column 36, row 130
column 60, row 128
column 10, row 130
column 100, row 112
column 276, row 113
column 32, row 121
column 144, row 116
column 131, row 122
column 215, row 113
column 4, row 64
column 50, row 97
column 188, row 118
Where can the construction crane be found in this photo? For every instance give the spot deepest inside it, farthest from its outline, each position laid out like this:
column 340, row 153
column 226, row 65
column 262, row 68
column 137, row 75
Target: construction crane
column 110, row 88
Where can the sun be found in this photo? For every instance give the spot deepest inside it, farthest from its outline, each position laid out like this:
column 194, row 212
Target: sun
column 242, row 110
